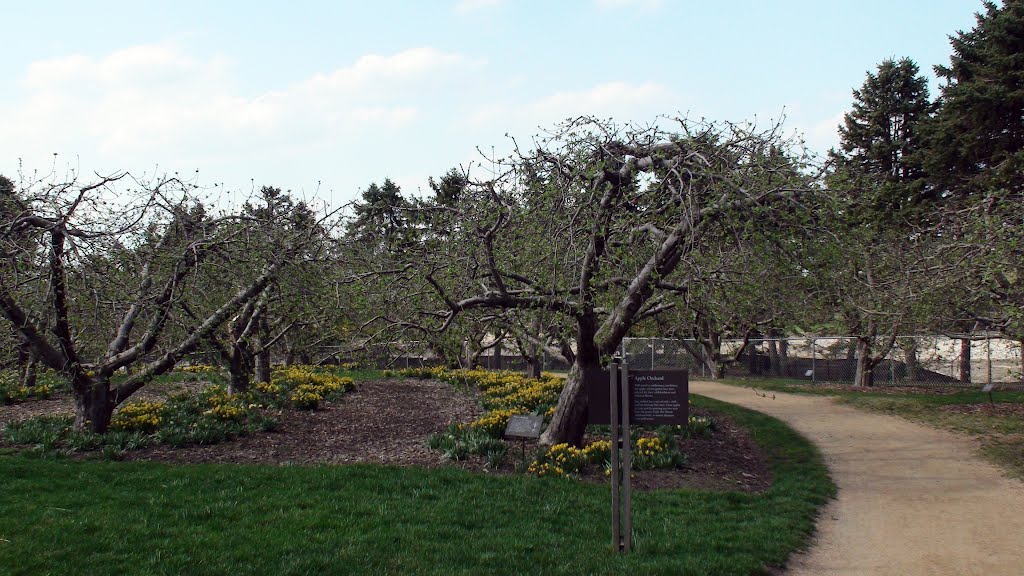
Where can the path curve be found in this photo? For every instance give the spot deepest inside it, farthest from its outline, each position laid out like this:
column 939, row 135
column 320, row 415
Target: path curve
column 912, row 500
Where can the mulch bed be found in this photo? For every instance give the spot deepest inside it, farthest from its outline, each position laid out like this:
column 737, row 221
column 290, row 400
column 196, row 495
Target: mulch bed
column 383, row 421
column 388, row 421
column 1003, row 410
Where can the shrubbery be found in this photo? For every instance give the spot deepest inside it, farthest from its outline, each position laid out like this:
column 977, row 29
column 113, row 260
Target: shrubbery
column 206, row 417
column 12, row 391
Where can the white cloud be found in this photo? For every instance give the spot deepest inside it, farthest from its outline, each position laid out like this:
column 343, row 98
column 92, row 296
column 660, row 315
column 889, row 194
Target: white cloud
column 469, row 6
column 157, row 101
column 619, row 100
column 639, row 4
column 823, row 134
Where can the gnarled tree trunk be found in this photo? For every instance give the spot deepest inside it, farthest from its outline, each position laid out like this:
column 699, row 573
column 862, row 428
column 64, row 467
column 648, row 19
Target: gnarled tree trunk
column 965, row 360
column 570, row 419
column 865, row 373
column 94, row 408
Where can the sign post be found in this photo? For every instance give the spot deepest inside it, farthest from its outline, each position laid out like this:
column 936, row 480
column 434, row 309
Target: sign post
column 627, row 465
column 642, row 397
column 616, row 471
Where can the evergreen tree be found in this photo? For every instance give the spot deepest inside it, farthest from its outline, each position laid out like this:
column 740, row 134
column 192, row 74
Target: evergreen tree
column 976, row 142
column 381, row 216
column 880, row 137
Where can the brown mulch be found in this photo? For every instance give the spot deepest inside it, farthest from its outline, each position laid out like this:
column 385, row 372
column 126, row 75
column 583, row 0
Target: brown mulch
column 728, row 459
column 1003, row 410
column 382, row 421
column 389, row 421
column 60, row 405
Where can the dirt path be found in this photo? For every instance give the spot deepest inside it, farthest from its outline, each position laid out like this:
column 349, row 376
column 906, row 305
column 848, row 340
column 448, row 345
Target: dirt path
column 912, row 500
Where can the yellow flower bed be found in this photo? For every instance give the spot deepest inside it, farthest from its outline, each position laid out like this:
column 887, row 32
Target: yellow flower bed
column 306, row 397
column 598, row 451
column 648, row 447
column 143, row 415
column 546, row 469
column 224, row 406
column 267, row 387
column 494, row 422
column 294, row 376
column 564, row 460
column 199, row 368
column 306, row 386
column 504, row 393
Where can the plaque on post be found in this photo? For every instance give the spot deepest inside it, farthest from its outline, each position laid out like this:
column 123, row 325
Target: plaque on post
column 620, row 397
column 657, row 397
column 524, row 426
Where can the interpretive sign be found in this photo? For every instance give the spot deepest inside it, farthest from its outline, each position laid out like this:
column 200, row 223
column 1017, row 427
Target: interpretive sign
column 657, row 397
column 524, row 426
column 987, row 387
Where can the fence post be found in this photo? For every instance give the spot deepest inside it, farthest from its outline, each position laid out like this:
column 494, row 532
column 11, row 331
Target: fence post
column 988, row 354
column 814, row 357
column 703, row 360
column 652, row 353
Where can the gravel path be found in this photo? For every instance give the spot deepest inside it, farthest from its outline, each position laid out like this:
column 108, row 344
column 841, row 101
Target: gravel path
column 913, row 500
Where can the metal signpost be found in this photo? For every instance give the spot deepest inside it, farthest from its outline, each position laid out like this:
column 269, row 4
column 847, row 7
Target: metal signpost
column 653, row 397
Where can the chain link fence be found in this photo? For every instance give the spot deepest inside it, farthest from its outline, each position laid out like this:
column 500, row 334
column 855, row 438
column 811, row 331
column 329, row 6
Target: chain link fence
column 419, row 354
column 970, row 360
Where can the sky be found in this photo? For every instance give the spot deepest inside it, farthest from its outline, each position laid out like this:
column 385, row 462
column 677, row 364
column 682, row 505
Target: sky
column 324, row 98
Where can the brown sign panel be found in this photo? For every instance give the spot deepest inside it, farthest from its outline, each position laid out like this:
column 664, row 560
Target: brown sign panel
column 656, row 396
column 597, row 382
column 659, row 396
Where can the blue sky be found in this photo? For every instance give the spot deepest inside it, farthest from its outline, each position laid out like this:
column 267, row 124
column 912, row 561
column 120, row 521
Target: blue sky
column 322, row 98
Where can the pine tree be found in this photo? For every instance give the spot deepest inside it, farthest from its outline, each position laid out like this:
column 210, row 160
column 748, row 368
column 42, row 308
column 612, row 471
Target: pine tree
column 880, row 137
column 976, row 141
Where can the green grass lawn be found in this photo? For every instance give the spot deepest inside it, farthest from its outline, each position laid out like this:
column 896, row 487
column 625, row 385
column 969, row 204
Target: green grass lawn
column 59, row 516
column 1002, row 437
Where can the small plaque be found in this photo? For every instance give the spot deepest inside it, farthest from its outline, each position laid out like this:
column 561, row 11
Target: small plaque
column 809, row 373
column 987, row 387
column 524, row 426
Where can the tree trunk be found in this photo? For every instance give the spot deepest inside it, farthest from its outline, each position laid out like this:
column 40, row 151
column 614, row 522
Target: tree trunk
column 497, row 356
column 783, row 357
column 530, row 351
column 965, row 360
column 27, row 361
column 263, row 366
column 773, row 357
column 865, row 374
column 263, row 357
column 753, row 359
column 570, row 419
column 239, row 367
column 533, row 368
column 910, row 356
column 711, row 348
column 532, row 359
column 93, row 407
